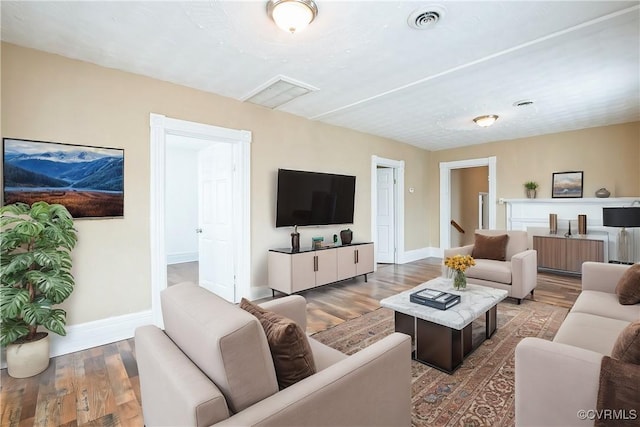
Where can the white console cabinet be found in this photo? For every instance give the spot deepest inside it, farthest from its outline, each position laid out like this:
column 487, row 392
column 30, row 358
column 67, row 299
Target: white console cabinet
column 354, row 260
column 291, row 272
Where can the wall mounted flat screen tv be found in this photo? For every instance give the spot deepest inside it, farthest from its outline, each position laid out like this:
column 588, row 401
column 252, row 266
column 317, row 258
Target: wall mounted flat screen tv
column 314, row 198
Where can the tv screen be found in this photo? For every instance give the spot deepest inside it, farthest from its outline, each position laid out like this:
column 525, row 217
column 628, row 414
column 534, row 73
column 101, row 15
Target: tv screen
column 313, row 198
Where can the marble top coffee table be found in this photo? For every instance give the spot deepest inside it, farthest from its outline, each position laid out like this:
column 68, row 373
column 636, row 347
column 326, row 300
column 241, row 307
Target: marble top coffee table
column 442, row 338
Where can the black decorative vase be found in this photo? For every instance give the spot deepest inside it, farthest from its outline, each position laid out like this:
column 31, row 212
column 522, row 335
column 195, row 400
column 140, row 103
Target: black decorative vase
column 295, row 242
column 346, row 236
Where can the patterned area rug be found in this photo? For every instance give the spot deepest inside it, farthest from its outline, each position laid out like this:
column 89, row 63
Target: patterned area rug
column 481, row 391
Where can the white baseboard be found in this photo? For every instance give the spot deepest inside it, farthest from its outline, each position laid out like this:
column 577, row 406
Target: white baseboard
column 96, row 333
column 261, row 292
column 179, row 258
column 416, row 254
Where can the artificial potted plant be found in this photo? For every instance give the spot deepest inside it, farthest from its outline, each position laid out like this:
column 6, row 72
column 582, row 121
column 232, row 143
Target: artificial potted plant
column 35, row 273
column 531, row 187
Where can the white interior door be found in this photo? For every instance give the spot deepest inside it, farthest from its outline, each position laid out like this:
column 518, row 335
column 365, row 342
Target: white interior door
column 215, row 230
column 385, row 216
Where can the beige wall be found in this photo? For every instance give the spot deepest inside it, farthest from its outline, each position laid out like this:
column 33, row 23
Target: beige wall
column 51, row 98
column 609, row 157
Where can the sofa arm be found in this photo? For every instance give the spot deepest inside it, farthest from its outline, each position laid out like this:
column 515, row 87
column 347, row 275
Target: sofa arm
column 524, row 273
column 174, row 391
column 293, row 306
column 600, row 276
column 461, row 250
column 369, row 388
column 553, row 382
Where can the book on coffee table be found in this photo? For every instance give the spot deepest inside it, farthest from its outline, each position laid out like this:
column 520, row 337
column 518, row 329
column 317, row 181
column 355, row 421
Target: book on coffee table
column 434, row 298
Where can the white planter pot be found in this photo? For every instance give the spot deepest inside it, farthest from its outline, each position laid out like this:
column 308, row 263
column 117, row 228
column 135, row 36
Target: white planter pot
column 28, row 359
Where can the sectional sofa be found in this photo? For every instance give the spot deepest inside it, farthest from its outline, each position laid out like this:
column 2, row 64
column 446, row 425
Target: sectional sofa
column 556, row 380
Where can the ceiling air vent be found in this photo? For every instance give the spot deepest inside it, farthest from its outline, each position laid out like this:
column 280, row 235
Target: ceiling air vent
column 523, row 103
column 426, row 17
column 278, row 91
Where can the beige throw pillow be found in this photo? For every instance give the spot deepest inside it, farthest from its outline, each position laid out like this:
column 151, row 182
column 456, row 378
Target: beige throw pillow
column 490, row 247
column 290, row 349
column 628, row 288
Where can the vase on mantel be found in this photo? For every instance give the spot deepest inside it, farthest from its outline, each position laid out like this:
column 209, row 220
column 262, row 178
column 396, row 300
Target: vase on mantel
column 531, row 193
column 459, row 280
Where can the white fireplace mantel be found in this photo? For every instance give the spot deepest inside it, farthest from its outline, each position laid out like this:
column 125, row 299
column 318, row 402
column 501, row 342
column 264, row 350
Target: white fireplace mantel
column 532, row 215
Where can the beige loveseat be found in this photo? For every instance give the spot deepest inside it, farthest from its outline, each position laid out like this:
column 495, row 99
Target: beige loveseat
column 212, row 366
column 517, row 274
column 555, row 380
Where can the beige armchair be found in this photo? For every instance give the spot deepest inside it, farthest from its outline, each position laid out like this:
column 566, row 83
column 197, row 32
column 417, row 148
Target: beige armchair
column 517, row 274
column 212, row 366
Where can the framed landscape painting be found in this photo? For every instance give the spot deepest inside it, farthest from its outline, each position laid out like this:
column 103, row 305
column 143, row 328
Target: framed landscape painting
column 567, row 184
column 88, row 181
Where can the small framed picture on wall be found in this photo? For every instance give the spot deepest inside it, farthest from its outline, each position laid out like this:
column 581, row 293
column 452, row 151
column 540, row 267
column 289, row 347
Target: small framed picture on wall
column 567, row 185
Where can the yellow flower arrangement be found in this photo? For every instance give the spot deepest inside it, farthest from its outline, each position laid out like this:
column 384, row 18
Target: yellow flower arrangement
column 460, row 262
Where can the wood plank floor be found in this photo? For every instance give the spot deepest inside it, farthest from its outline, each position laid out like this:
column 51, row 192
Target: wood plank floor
column 100, row 386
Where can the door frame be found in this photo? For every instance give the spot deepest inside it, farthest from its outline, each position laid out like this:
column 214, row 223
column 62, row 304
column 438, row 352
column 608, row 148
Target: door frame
column 398, row 205
column 160, row 127
column 445, row 194
column 480, row 210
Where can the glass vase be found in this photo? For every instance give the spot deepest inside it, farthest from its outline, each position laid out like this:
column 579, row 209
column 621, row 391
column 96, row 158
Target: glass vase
column 459, row 280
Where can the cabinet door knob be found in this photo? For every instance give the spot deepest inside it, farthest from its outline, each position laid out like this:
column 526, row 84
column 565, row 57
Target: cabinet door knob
column 198, row 230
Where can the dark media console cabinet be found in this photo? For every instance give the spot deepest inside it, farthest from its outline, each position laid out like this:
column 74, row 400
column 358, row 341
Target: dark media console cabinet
column 291, row 272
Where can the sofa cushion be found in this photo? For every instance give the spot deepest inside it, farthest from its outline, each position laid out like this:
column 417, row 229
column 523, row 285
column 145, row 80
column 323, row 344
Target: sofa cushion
column 490, row 247
column 226, row 343
column 490, row 270
column 590, row 332
column 606, row 305
column 628, row 288
column 627, row 346
column 290, row 350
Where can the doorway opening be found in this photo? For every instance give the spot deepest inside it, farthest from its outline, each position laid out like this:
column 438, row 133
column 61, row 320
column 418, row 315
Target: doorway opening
column 387, row 209
column 446, row 169
column 199, row 216
column 237, row 144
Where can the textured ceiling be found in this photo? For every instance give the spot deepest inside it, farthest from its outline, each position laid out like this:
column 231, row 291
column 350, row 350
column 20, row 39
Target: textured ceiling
column 579, row 61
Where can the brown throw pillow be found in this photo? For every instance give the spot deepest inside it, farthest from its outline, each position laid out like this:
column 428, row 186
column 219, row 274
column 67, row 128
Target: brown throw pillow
column 628, row 288
column 290, row 349
column 627, row 346
column 490, row 247
column 617, row 393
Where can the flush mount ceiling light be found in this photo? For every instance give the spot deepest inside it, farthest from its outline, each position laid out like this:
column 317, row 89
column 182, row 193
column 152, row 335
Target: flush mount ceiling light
column 292, row 15
column 485, row 121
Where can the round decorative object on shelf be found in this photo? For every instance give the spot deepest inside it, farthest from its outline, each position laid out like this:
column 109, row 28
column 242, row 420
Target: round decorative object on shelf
column 603, row 193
